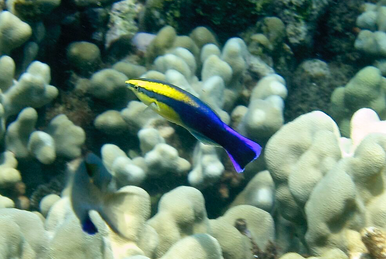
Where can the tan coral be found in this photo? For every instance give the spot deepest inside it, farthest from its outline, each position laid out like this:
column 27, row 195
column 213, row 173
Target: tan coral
column 375, row 241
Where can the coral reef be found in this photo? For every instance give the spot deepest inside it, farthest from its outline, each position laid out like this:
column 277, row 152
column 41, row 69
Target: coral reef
column 87, row 171
column 317, row 194
column 365, row 89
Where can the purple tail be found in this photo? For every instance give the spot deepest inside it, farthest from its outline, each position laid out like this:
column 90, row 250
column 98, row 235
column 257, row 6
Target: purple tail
column 240, row 149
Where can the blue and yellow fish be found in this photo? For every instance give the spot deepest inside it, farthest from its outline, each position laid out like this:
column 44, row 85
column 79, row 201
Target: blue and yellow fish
column 186, row 110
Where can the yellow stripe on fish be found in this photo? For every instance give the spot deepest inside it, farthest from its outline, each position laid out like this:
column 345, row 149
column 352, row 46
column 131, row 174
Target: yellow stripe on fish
column 162, row 89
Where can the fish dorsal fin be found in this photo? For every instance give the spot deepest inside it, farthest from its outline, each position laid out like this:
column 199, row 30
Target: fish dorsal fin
column 203, row 139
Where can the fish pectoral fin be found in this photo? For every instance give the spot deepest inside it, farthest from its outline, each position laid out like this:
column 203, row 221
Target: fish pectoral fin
column 153, row 106
column 203, row 139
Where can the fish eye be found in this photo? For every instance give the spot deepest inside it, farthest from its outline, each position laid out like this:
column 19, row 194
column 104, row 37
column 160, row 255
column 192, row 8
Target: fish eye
column 134, row 86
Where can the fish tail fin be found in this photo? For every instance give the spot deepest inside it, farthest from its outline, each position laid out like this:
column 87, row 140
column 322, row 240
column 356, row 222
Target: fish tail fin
column 240, row 149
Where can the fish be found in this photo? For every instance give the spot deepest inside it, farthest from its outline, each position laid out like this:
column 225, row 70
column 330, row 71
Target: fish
column 182, row 108
column 88, row 188
column 92, row 190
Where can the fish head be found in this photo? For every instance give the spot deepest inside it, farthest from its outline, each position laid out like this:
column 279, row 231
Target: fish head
column 133, row 84
column 141, row 88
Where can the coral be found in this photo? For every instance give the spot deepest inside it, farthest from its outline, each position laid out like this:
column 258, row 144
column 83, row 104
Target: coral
column 312, row 192
column 233, row 244
column 186, row 43
column 363, row 122
column 163, row 41
column 47, row 202
column 124, row 170
column 32, row 11
column 315, row 151
column 68, row 137
column 339, row 32
column 260, row 223
column 259, row 192
column 62, row 138
column 207, row 166
column 202, row 36
column 108, row 84
column 195, row 246
column 61, row 221
column 171, row 61
column 265, row 111
column 371, row 43
column 6, row 202
column 241, row 243
column 148, row 139
column 300, row 18
column 110, row 122
column 214, row 66
column 163, row 159
column 122, row 26
column 234, row 53
column 129, row 69
column 32, row 89
column 9, row 175
column 23, row 234
column 158, row 158
column 18, row 132
column 371, row 39
column 260, row 45
column 42, row 146
column 341, row 191
column 177, row 78
column 274, row 29
column 181, row 212
column 84, row 57
column 13, row 31
column 375, row 241
column 141, row 40
column 7, row 68
column 209, row 49
column 291, row 256
column 310, row 83
column 137, row 116
column 365, row 89
column 327, row 203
